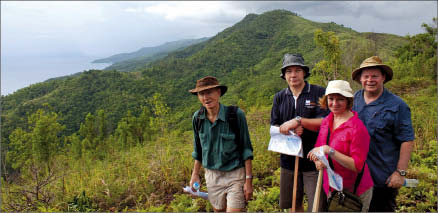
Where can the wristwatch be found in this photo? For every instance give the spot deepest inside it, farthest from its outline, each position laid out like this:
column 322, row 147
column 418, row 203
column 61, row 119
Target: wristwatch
column 401, row 172
column 298, row 118
column 331, row 152
column 249, row 177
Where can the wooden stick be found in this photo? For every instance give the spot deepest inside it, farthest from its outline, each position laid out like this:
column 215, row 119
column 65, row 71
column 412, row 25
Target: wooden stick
column 317, row 193
column 294, row 195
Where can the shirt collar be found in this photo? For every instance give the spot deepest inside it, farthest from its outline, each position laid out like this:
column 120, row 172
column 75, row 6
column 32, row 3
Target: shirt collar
column 381, row 99
column 306, row 89
column 348, row 123
column 221, row 115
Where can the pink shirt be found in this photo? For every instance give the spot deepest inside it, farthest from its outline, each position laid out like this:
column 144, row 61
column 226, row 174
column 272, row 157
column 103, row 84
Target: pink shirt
column 352, row 139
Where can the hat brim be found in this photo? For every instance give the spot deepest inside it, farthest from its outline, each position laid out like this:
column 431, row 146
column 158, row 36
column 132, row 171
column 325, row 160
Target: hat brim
column 338, row 91
column 355, row 75
column 306, row 68
column 222, row 87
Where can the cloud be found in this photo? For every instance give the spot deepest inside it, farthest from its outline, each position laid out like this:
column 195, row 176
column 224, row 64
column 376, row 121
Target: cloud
column 194, row 11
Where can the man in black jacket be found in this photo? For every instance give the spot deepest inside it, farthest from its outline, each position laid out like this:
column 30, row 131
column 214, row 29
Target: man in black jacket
column 294, row 107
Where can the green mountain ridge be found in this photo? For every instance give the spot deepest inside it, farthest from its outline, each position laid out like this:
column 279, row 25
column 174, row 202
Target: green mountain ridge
column 146, row 52
column 246, row 57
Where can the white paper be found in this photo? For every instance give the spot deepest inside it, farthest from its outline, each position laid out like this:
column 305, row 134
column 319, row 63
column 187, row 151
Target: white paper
column 335, row 180
column 285, row 144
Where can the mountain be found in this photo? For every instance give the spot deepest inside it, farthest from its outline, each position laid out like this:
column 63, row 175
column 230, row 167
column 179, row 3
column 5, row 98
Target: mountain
column 246, row 57
column 155, row 52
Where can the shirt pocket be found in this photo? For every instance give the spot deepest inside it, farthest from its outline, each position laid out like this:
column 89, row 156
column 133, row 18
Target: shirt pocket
column 228, row 144
column 203, row 138
column 385, row 121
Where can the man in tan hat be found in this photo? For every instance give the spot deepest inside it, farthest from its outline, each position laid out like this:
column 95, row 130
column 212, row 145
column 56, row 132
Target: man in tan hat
column 222, row 147
column 296, row 108
column 388, row 120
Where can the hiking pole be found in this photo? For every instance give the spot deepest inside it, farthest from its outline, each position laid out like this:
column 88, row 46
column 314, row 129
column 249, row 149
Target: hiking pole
column 294, row 195
column 317, row 193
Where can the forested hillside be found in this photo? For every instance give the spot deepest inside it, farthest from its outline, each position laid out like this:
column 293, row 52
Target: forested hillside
column 150, row 51
column 110, row 140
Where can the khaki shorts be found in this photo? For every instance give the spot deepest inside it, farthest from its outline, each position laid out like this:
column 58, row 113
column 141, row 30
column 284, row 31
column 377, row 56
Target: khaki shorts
column 225, row 189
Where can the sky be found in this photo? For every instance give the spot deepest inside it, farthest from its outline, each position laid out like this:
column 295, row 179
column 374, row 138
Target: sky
column 42, row 39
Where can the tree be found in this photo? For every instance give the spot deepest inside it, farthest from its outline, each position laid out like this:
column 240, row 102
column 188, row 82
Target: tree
column 95, row 132
column 418, row 57
column 33, row 152
column 330, row 67
column 161, row 113
column 133, row 130
column 40, row 144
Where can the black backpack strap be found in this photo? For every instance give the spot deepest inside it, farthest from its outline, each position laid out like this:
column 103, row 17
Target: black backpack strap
column 359, row 176
column 231, row 117
column 198, row 123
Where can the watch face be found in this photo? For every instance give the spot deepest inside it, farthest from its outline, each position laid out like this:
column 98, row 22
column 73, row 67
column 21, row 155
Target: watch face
column 402, row 172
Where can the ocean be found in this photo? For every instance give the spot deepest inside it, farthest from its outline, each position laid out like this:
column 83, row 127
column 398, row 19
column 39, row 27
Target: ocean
column 17, row 73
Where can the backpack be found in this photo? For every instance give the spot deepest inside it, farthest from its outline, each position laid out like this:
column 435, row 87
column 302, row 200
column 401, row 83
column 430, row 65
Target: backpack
column 230, row 117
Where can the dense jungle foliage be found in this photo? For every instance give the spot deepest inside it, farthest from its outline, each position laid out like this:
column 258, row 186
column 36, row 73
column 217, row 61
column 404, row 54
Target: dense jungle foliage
column 110, row 140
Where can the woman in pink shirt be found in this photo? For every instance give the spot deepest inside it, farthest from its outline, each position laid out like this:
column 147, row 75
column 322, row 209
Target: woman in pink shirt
column 348, row 142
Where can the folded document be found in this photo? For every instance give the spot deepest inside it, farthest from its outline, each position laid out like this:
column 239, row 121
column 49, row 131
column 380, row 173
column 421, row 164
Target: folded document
column 285, row 144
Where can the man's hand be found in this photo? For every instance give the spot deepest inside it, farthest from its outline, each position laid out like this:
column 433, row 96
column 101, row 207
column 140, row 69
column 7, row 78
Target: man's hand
column 247, row 189
column 287, row 126
column 195, row 178
column 299, row 130
column 395, row 180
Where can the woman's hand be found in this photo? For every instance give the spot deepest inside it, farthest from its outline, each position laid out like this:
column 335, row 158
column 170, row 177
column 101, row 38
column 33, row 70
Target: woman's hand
column 312, row 155
column 319, row 165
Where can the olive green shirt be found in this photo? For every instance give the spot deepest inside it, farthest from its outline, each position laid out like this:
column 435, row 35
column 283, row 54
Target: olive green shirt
column 219, row 149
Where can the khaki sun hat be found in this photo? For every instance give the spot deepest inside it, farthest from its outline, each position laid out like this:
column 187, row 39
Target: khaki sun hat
column 208, row 83
column 339, row 86
column 373, row 61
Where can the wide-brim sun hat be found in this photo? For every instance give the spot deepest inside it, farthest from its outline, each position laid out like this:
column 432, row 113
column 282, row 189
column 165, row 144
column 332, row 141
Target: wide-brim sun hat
column 339, row 87
column 373, row 61
column 208, row 83
column 294, row 60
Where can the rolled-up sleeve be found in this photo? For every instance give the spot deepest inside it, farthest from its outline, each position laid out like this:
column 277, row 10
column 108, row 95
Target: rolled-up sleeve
column 360, row 144
column 244, row 136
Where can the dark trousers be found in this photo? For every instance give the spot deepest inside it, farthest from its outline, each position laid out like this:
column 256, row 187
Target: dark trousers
column 383, row 199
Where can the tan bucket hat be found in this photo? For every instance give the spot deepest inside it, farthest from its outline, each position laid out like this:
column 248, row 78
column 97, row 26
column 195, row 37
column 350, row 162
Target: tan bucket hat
column 373, row 61
column 339, row 86
column 208, row 83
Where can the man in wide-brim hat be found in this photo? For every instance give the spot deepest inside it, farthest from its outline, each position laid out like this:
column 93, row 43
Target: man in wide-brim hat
column 222, row 146
column 388, row 120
